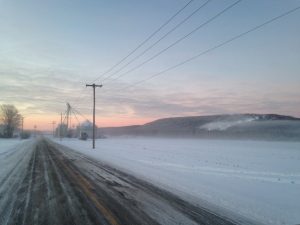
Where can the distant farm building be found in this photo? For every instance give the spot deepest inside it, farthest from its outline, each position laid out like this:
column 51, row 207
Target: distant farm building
column 85, row 130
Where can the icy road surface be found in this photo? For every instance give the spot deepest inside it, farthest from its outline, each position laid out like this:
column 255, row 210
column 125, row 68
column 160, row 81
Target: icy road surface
column 43, row 183
column 254, row 179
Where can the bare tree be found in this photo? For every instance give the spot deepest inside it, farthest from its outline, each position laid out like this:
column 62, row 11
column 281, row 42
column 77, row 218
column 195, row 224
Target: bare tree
column 10, row 118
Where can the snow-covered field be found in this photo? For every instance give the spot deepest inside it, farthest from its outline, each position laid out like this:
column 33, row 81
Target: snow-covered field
column 259, row 180
column 13, row 155
column 7, row 144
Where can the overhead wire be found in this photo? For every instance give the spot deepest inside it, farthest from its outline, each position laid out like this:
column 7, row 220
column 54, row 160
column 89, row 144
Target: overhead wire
column 76, row 116
column 214, row 47
column 139, row 46
column 146, row 40
column 74, row 112
column 178, row 40
column 80, row 114
column 228, row 41
column 159, row 40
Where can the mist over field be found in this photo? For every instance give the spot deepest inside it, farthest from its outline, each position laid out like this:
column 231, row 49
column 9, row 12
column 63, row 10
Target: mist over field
column 236, row 126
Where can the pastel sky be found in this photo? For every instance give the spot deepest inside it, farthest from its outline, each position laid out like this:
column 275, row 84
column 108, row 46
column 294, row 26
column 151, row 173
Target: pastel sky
column 50, row 49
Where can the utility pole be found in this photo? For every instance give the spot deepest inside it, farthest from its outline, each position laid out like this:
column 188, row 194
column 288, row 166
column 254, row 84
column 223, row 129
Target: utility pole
column 22, row 118
column 68, row 115
column 94, row 126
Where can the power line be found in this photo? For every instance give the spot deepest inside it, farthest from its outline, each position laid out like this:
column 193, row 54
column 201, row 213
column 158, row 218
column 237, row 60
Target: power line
column 145, row 41
column 79, row 113
column 75, row 116
column 139, row 46
column 65, row 116
column 159, row 40
column 179, row 40
column 74, row 111
column 215, row 47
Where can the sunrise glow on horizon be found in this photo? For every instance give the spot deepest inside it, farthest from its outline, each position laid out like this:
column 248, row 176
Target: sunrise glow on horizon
column 44, row 122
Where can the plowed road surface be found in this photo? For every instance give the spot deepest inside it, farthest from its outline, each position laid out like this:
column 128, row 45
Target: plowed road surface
column 50, row 184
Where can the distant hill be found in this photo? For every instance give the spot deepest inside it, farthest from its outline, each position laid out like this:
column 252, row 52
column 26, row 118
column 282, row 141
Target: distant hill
column 235, row 126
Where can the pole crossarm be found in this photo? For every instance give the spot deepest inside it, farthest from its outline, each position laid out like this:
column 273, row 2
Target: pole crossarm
column 94, row 85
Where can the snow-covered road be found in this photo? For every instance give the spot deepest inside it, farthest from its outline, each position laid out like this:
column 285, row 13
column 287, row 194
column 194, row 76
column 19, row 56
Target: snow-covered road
column 46, row 183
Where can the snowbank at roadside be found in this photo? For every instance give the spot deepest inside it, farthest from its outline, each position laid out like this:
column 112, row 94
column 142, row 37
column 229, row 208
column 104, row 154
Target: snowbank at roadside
column 12, row 151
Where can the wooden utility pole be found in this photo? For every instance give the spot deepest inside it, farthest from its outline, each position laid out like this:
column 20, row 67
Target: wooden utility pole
column 68, row 115
column 94, row 126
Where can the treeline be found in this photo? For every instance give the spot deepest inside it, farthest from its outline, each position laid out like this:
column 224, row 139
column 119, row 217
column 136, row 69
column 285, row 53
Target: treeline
column 10, row 122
